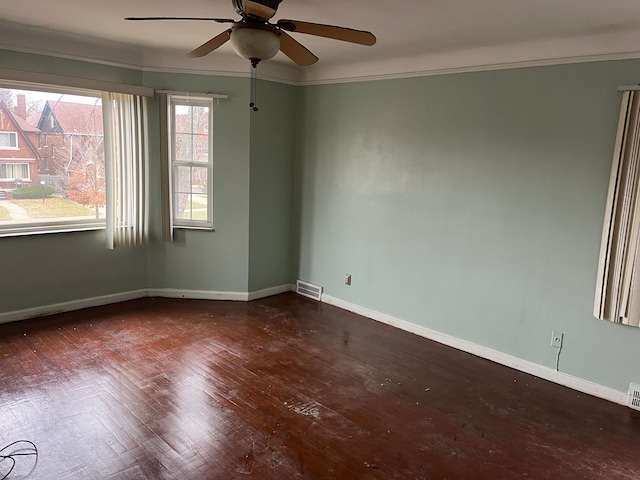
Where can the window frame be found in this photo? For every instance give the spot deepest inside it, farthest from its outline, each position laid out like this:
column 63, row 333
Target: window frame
column 13, row 164
column 15, row 136
column 191, row 101
column 46, row 226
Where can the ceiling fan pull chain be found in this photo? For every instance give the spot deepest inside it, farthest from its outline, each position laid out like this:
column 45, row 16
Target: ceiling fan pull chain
column 254, row 84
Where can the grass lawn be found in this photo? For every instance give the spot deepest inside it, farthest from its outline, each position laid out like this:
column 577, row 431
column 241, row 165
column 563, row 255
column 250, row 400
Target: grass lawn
column 199, row 215
column 199, row 209
column 4, row 214
column 53, row 207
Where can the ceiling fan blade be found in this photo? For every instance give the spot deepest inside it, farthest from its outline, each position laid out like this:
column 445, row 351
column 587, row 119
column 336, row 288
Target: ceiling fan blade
column 296, row 51
column 211, row 45
column 259, row 9
column 219, row 20
column 329, row 31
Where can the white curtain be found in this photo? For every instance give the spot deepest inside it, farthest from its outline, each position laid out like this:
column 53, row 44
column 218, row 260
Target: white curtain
column 126, row 158
column 617, row 293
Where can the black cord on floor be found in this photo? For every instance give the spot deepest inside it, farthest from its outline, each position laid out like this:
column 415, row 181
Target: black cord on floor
column 26, row 448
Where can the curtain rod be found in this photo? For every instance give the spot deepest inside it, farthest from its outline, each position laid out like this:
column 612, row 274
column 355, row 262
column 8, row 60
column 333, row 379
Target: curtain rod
column 193, row 94
column 46, row 79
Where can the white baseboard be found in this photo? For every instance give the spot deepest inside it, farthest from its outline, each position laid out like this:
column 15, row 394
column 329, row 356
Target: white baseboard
column 571, row 381
column 42, row 311
column 198, row 294
column 269, row 292
column 27, row 313
column 218, row 295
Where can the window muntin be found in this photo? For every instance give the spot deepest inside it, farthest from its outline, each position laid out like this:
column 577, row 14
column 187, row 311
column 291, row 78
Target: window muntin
column 9, row 140
column 191, row 161
column 54, row 177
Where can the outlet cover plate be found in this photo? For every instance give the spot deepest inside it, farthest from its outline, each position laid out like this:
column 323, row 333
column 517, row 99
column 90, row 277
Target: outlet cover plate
column 556, row 339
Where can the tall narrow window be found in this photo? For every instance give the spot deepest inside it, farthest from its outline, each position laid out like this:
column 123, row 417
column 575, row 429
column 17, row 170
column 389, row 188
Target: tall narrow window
column 190, row 155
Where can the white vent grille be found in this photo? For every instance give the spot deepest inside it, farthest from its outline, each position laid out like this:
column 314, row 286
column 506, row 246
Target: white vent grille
column 634, row 396
column 309, row 290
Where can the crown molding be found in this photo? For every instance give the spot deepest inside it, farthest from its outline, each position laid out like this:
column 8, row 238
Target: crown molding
column 594, row 48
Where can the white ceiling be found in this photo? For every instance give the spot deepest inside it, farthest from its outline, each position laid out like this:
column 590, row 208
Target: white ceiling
column 414, row 36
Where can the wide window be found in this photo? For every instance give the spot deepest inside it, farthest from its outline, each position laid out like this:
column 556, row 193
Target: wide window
column 15, row 172
column 73, row 159
column 190, row 155
column 52, row 174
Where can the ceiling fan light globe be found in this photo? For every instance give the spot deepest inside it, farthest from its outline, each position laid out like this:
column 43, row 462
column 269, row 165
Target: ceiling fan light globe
column 254, row 43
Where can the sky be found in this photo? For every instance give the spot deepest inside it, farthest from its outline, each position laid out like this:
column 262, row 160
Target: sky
column 44, row 96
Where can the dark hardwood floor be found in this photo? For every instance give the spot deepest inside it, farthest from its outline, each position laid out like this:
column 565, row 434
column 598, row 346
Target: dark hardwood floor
column 285, row 388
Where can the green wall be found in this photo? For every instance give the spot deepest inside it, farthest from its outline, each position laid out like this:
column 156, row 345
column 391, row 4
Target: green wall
column 200, row 260
column 273, row 130
column 471, row 204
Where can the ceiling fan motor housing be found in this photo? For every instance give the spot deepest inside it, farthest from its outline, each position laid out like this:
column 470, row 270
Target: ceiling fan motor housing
column 270, row 3
column 255, row 41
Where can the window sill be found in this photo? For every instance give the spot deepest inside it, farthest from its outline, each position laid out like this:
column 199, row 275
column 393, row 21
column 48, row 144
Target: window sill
column 44, row 229
column 194, row 227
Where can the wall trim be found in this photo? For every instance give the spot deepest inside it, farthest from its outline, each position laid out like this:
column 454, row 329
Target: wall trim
column 62, row 307
column 486, row 67
column 218, row 295
column 197, row 294
column 269, row 292
column 72, row 305
column 141, row 65
column 526, row 366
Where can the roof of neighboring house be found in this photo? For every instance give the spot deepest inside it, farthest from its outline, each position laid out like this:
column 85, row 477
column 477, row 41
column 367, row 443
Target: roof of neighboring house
column 33, row 119
column 77, row 117
column 19, row 122
column 24, row 125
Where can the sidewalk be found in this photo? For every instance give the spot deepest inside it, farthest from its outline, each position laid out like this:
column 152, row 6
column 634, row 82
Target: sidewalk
column 16, row 212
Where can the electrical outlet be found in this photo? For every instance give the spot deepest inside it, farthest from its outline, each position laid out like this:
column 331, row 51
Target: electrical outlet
column 347, row 279
column 556, row 339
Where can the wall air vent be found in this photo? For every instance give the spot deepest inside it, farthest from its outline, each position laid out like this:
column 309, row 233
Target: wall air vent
column 634, row 396
column 309, row 290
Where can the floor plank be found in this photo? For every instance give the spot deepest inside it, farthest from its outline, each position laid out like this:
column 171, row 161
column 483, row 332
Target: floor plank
column 286, row 388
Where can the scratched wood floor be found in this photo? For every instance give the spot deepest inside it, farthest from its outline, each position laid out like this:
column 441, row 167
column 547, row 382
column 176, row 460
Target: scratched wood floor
column 285, row 388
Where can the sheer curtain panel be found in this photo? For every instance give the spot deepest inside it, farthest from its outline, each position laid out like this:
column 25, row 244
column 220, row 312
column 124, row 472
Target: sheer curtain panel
column 126, row 157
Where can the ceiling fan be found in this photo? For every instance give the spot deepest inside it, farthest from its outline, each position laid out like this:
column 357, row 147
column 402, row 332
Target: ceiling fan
column 255, row 38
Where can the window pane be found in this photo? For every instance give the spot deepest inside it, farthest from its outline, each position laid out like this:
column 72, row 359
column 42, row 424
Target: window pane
column 182, row 206
column 202, row 148
column 191, row 199
column 199, row 180
column 191, row 157
column 182, row 179
column 183, row 120
column 184, row 147
column 8, row 139
column 57, row 175
column 200, row 119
